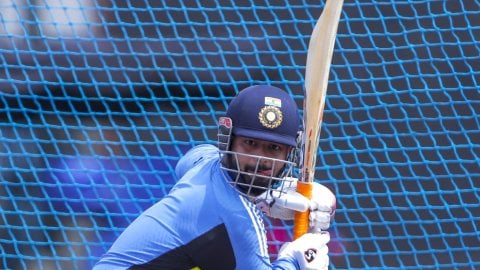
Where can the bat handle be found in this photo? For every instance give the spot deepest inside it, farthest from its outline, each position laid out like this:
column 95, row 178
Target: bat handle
column 300, row 225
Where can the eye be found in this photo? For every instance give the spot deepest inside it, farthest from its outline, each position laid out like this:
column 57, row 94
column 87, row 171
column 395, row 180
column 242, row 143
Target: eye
column 249, row 142
column 275, row 147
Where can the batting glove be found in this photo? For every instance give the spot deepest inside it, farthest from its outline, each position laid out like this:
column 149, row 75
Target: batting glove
column 310, row 251
column 282, row 203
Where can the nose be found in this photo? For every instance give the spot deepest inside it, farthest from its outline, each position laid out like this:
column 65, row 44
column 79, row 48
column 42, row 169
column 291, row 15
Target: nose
column 259, row 151
column 265, row 161
column 260, row 159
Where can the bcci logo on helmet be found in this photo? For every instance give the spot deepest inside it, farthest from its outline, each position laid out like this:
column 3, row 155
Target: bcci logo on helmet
column 270, row 117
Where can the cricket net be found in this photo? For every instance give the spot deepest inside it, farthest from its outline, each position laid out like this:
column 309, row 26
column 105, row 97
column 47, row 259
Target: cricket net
column 99, row 100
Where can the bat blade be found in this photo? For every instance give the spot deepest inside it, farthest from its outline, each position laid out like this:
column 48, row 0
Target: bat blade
column 317, row 70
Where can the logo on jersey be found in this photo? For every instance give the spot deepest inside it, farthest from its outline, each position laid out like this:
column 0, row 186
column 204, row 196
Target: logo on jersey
column 310, row 254
column 270, row 116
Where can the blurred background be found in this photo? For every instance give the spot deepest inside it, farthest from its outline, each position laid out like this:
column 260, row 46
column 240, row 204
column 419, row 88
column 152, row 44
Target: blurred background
column 99, row 100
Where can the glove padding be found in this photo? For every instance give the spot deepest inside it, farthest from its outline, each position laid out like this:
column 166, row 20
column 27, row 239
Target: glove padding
column 282, row 203
column 310, row 251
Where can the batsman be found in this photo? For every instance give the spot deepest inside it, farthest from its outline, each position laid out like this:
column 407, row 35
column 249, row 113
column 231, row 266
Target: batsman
column 213, row 217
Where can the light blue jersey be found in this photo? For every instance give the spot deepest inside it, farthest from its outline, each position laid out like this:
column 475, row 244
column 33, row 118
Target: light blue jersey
column 202, row 223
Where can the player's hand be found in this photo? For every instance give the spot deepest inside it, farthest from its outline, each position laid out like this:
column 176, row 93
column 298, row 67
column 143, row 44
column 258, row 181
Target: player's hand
column 284, row 201
column 310, row 251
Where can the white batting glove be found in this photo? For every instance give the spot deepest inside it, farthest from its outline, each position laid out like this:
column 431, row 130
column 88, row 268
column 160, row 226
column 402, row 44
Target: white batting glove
column 284, row 201
column 310, row 251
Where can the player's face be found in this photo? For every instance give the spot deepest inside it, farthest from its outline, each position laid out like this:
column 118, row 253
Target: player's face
column 258, row 171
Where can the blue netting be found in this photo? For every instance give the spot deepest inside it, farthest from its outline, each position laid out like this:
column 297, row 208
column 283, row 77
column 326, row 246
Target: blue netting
column 98, row 101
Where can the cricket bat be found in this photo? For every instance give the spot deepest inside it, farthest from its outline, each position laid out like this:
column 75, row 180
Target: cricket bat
column 317, row 70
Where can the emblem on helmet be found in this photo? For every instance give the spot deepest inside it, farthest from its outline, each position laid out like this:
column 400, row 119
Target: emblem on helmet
column 270, row 117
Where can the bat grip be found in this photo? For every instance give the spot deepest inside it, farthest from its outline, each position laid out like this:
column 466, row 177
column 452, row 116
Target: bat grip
column 300, row 225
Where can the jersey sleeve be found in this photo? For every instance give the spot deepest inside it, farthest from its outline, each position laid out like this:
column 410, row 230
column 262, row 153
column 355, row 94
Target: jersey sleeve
column 285, row 264
column 138, row 244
